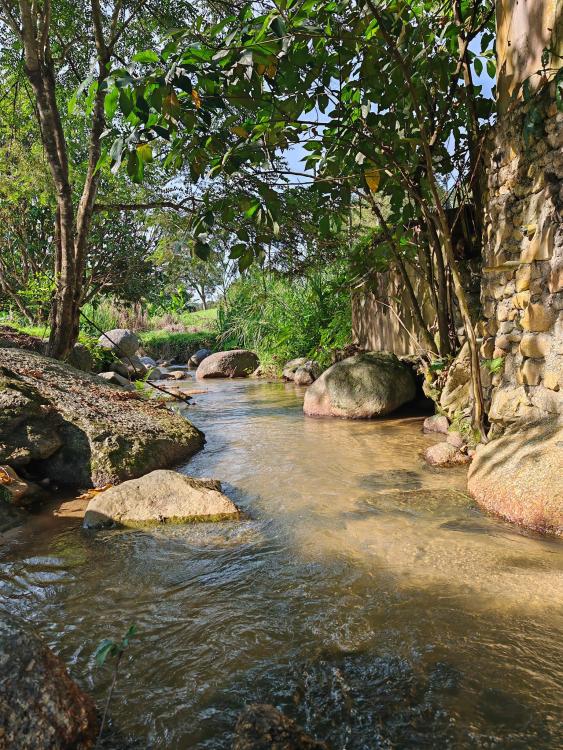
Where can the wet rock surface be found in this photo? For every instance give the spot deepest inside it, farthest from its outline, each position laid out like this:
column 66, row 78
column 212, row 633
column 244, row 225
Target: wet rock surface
column 41, row 708
column 263, row 727
column 445, row 455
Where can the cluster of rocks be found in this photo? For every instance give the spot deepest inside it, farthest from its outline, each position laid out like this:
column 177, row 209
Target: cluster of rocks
column 129, row 364
column 67, row 427
column 301, row 371
column 454, row 451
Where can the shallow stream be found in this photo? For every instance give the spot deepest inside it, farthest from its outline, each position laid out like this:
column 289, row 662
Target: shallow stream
column 364, row 595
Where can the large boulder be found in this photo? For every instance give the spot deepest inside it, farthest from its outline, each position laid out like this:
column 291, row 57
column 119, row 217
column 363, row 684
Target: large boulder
column 121, row 341
column 366, row 385
column 238, row 363
column 519, row 476
column 291, row 367
column 160, row 497
column 41, row 708
column 197, row 358
column 263, row 727
column 77, row 430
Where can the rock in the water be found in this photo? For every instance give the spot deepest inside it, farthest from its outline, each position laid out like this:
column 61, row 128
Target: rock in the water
column 160, row 497
column 291, row 367
column 263, row 727
column 79, row 431
column 456, row 439
column 81, row 358
column 366, row 385
column 519, row 476
column 178, row 374
column 116, row 379
column 445, row 455
column 148, row 362
column 154, row 374
column 307, row 373
column 197, row 358
column 41, row 708
column 436, row 423
column 121, row 341
column 238, row 363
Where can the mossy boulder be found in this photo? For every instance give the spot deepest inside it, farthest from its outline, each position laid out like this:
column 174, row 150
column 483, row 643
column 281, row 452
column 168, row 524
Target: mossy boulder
column 366, row 385
column 77, row 430
column 160, row 497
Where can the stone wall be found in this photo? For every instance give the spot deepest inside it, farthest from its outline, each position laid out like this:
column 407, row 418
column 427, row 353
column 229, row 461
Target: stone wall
column 522, row 287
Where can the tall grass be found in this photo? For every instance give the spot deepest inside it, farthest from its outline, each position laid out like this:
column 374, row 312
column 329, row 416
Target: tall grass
column 281, row 318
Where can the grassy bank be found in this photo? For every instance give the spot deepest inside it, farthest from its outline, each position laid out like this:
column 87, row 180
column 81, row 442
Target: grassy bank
column 164, row 337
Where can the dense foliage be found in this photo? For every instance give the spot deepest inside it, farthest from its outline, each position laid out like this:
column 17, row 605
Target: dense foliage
column 282, row 318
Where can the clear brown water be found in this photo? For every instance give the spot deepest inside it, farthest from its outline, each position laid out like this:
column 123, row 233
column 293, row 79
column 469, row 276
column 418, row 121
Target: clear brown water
column 364, row 595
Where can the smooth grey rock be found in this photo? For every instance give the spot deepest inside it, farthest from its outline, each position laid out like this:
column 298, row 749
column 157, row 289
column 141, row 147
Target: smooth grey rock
column 121, row 341
column 238, row 363
column 197, row 358
column 116, row 379
column 291, row 367
column 366, row 385
column 160, row 497
column 307, row 373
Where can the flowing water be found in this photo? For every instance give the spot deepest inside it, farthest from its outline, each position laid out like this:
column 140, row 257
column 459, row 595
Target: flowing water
column 363, row 594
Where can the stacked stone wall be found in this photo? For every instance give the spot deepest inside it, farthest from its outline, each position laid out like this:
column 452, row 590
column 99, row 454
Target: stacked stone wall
column 522, row 285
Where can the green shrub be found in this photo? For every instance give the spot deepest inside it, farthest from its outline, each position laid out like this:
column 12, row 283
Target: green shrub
column 166, row 344
column 281, row 318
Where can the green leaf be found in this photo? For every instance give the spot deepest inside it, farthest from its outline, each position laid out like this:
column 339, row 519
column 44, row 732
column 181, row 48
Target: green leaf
column 146, row 57
column 237, row 251
column 135, row 167
column 106, row 648
column 144, row 151
column 111, row 102
column 202, row 250
column 246, row 260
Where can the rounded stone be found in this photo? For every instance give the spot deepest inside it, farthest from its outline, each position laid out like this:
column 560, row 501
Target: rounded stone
column 536, row 346
column 518, row 476
column 366, row 385
column 237, row 363
column 121, row 341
